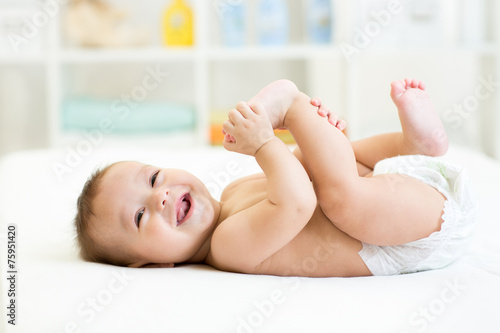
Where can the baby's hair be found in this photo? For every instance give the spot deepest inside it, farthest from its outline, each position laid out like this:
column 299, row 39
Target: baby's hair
column 90, row 249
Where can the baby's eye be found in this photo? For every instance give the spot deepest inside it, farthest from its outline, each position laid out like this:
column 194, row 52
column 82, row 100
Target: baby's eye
column 138, row 217
column 153, row 178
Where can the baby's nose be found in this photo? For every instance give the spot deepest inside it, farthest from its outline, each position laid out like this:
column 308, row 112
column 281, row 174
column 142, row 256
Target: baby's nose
column 163, row 197
column 164, row 202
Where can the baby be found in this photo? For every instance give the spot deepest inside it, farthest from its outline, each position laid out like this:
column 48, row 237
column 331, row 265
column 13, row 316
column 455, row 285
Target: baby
column 379, row 206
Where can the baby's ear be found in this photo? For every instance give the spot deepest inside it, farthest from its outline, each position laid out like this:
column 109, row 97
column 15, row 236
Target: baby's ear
column 170, row 265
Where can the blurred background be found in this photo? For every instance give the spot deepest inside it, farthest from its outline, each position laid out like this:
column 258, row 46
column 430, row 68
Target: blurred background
column 76, row 74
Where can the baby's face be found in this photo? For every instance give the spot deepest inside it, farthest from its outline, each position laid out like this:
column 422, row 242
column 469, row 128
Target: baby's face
column 159, row 215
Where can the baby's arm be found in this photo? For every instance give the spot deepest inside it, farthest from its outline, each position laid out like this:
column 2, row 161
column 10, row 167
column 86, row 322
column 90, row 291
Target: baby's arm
column 249, row 237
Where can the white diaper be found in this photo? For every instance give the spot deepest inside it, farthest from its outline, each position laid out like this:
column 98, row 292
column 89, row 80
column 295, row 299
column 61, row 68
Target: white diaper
column 441, row 247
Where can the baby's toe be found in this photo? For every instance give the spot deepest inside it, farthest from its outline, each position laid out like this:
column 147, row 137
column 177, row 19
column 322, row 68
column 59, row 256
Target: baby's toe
column 332, row 118
column 324, row 111
column 341, row 125
column 408, row 82
column 397, row 88
column 316, row 102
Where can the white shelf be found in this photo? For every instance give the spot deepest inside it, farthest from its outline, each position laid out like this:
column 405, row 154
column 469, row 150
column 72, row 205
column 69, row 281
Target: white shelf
column 287, row 52
column 222, row 53
column 21, row 58
column 127, row 55
column 387, row 51
column 257, row 53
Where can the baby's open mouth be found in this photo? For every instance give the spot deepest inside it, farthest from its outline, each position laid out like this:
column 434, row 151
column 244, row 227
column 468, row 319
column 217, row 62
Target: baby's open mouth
column 183, row 207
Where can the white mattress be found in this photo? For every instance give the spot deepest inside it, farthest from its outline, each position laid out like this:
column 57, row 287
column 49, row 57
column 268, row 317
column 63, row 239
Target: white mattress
column 57, row 292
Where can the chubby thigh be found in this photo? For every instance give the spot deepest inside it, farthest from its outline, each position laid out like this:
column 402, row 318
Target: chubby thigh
column 388, row 209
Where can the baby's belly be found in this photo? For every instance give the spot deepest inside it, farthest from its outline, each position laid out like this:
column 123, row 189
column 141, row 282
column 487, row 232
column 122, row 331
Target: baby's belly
column 319, row 250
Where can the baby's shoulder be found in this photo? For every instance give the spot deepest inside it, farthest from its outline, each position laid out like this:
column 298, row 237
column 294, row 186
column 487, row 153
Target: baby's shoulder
column 234, row 186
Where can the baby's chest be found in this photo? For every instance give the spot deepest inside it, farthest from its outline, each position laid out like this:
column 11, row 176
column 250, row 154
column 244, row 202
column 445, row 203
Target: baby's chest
column 244, row 194
column 313, row 251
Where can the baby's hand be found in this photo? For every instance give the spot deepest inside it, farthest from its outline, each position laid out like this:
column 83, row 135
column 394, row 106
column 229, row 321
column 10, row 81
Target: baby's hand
column 325, row 112
column 247, row 129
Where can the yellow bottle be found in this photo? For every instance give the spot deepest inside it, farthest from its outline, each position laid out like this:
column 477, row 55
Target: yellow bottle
column 178, row 24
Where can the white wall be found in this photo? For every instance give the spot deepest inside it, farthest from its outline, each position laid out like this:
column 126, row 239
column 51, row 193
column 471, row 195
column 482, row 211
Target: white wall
column 22, row 108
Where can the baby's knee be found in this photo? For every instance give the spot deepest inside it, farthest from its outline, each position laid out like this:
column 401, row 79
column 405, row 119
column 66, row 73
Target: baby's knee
column 337, row 204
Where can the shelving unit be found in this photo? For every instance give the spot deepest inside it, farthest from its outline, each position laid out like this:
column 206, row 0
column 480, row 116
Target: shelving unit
column 58, row 60
column 215, row 77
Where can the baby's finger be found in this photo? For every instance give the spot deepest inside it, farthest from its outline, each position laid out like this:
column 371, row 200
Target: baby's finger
column 235, row 116
column 244, row 109
column 228, row 138
column 258, row 108
column 227, row 127
column 231, row 146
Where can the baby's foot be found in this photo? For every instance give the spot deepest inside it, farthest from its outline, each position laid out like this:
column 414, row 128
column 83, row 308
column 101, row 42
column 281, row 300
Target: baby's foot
column 423, row 132
column 276, row 98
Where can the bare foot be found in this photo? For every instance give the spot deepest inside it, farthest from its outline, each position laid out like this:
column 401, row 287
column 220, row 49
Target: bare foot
column 276, row 98
column 423, row 131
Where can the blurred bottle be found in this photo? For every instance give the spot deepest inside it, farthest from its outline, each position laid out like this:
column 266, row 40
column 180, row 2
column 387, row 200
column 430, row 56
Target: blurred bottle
column 178, row 24
column 233, row 24
column 273, row 22
column 319, row 21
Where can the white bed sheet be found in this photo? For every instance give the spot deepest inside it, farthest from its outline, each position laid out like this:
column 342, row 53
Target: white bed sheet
column 57, row 292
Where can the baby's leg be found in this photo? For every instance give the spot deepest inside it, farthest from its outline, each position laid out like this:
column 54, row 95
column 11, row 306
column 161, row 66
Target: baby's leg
column 382, row 210
column 276, row 98
column 363, row 170
column 423, row 133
